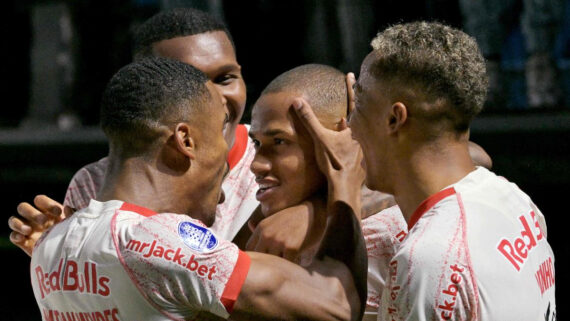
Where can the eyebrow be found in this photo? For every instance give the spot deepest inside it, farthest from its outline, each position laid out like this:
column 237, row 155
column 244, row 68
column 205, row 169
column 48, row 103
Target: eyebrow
column 270, row 132
column 227, row 68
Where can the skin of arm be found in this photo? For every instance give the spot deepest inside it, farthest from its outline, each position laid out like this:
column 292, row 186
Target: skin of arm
column 333, row 287
column 330, row 288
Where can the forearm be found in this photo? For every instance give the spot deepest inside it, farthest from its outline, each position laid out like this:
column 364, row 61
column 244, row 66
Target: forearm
column 276, row 289
column 344, row 242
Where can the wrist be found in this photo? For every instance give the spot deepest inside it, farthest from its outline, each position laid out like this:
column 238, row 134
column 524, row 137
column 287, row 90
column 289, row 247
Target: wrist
column 348, row 194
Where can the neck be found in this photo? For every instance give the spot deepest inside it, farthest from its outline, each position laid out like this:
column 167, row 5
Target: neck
column 139, row 182
column 430, row 169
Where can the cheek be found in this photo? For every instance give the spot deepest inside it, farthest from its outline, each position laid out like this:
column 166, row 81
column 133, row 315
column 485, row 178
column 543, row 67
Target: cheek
column 236, row 97
column 304, row 178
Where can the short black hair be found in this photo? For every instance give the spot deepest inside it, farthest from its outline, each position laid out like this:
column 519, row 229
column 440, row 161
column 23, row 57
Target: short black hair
column 173, row 23
column 323, row 86
column 144, row 95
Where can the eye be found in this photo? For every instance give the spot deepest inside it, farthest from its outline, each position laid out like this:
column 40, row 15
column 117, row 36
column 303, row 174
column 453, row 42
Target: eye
column 278, row 141
column 256, row 143
column 225, row 79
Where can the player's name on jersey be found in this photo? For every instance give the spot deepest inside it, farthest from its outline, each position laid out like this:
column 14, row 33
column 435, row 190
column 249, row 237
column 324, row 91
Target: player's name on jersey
column 105, row 315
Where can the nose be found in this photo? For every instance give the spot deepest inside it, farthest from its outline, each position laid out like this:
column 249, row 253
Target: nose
column 260, row 165
column 222, row 197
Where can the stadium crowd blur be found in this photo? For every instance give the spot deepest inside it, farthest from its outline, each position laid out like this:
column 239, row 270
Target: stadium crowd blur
column 63, row 52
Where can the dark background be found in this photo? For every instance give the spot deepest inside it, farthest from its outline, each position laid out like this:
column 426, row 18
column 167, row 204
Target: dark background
column 529, row 147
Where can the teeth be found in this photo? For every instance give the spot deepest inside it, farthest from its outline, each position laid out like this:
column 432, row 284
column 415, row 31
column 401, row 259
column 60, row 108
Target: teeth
column 264, row 186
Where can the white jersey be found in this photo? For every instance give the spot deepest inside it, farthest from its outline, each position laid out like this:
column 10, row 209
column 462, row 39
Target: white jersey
column 118, row 261
column 383, row 233
column 476, row 250
column 239, row 186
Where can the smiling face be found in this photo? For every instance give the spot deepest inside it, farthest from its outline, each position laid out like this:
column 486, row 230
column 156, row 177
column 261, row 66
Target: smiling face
column 211, row 153
column 284, row 165
column 369, row 125
column 213, row 54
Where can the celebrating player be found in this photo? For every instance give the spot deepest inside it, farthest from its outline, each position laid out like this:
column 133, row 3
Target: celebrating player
column 131, row 254
column 476, row 247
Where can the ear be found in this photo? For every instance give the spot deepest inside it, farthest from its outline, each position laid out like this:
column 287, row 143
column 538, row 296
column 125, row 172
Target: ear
column 184, row 141
column 397, row 117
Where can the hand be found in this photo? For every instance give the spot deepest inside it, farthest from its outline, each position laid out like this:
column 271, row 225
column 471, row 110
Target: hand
column 350, row 81
column 338, row 155
column 290, row 231
column 34, row 221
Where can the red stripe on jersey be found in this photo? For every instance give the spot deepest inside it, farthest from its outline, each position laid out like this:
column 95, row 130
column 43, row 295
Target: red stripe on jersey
column 429, row 203
column 236, row 281
column 238, row 149
column 137, row 209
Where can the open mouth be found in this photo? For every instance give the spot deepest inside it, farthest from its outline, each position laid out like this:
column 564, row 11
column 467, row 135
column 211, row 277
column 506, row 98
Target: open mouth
column 264, row 192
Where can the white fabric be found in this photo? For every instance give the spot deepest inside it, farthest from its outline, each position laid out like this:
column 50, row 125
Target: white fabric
column 479, row 253
column 96, row 263
column 383, row 233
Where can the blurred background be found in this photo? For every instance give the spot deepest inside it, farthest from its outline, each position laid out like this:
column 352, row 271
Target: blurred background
column 58, row 55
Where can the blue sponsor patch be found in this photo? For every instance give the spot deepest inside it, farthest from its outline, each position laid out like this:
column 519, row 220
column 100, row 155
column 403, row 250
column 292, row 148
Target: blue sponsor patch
column 197, row 237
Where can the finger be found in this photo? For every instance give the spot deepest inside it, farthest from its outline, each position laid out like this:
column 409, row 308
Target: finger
column 31, row 214
column 342, row 125
column 252, row 242
column 308, row 118
column 48, row 206
column 270, row 248
column 251, row 225
column 67, row 212
column 21, row 242
column 18, row 226
column 350, row 81
column 290, row 255
column 17, row 238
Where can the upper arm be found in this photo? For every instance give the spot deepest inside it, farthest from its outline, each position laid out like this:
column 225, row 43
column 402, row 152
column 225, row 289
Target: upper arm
column 179, row 266
column 278, row 289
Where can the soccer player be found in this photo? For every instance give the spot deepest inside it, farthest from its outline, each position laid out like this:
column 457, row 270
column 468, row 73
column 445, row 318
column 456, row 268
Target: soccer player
column 477, row 246
column 291, row 188
column 196, row 38
column 132, row 254
column 292, row 191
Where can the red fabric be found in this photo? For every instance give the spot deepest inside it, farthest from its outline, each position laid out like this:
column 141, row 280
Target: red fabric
column 239, row 147
column 429, row 203
column 236, row 281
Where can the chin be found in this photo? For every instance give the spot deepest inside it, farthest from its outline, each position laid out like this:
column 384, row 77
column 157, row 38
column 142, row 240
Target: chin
column 270, row 209
column 209, row 221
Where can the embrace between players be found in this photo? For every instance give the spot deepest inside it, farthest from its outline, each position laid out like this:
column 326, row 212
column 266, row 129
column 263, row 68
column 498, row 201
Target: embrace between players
column 290, row 190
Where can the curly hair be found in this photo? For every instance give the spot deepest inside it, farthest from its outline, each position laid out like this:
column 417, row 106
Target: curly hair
column 173, row 23
column 143, row 95
column 440, row 61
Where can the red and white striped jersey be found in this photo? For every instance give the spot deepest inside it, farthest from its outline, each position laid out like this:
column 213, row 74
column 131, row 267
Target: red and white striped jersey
column 118, row 261
column 477, row 250
column 239, row 186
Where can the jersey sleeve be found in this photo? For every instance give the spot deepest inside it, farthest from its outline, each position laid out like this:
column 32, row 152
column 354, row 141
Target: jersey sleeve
column 85, row 184
column 383, row 233
column 180, row 266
